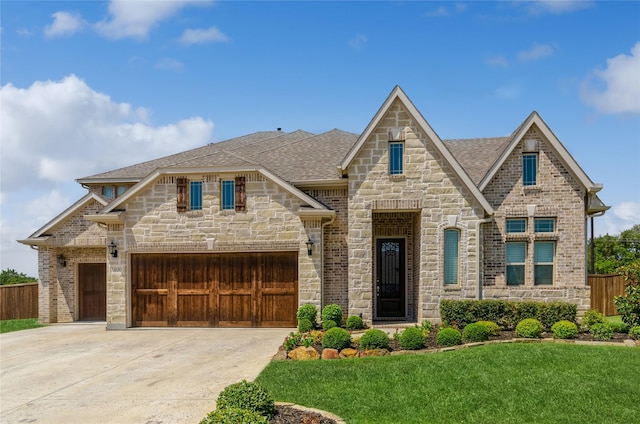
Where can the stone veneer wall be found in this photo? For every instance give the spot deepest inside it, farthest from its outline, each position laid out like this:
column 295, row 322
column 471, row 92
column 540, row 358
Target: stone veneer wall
column 429, row 189
column 557, row 195
column 78, row 240
column 270, row 223
column 336, row 251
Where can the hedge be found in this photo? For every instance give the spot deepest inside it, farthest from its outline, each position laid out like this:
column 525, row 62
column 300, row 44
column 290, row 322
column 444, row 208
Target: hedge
column 505, row 313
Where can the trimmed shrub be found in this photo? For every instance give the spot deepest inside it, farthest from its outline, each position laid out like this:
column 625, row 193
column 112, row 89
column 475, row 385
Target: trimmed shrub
column 492, row 327
column 634, row 332
column 412, row 339
column 448, row 336
column 601, row 331
column 564, row 330
column 292, row 341
column 593, row 317
column 475, row 333
column 247, row 395
column 304, row 325
column 529, row 328
column 629, row 305
column 332, row 312
column 329, row 324
column 374, row 339
column 354, row 322
column 234, row 416
column 308, row 311
column 619, row 327
column 425, row 327
column 336, row 338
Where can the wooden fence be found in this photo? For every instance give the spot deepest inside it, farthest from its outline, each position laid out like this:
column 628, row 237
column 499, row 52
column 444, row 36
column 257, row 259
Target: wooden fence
column 604, row 287
column 18, row 301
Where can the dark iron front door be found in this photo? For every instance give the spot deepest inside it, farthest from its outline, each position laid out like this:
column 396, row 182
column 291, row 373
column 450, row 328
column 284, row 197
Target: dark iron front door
column 390, row 278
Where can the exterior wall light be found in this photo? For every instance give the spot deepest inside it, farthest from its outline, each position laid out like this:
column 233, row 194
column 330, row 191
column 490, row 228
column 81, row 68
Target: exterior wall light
column 309, row 244
column 112, row 249
column 62, row 261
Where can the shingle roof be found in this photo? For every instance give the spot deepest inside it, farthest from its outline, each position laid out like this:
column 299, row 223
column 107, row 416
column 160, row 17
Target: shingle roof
column 300, row 155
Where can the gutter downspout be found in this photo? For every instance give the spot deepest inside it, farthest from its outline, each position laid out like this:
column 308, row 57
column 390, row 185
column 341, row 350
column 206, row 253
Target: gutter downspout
column 479, row 256
column 333, row 218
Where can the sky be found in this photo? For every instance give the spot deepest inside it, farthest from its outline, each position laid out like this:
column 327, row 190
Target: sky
column 89, row 86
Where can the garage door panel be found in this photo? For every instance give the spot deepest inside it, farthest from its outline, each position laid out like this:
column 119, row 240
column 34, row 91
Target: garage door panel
column 152, row 309
column 235, row 310
column 277, row 310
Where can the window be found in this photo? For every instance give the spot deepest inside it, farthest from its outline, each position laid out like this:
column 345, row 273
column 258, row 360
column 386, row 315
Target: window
column 518, row 225
column 544, row 225
column 516, row 254
column 195, row 195
column 451, row 256
column 107, row 192
column 228, row 194
column 396, row 158
column 543, row 253
column 530, row 169
column 120, row 190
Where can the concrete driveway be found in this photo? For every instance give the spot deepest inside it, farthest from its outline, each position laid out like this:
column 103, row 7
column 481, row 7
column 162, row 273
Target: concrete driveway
column 81, row 373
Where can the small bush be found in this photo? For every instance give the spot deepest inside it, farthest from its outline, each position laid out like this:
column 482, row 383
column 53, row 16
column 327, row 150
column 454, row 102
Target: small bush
column 234, row 416
column 247, row 395
column 634, row 332
column 601, row 331
column 316, row 335
column 475, row 333
column 329, row 324
column 374, row 339
column 529, row 328
column 332, row 312
column 336, row 338
column 354, row 322
column 308, row 311
column 304, row 325
column 564, row 330
column 619, row 327
column 412, row 339
column 448, row 336
column 593, row 317
column 629, row 305
column 292, row 341
column 494, row 329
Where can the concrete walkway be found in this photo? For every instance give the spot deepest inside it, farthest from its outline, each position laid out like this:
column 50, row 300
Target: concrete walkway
column 81, row 373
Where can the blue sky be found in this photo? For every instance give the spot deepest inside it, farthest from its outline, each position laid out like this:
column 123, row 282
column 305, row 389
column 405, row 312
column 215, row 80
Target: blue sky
column 91, row 86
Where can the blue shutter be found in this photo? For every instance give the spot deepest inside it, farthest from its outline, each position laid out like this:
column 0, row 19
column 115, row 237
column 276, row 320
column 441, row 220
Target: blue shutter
column 228, row 194
column 195, row 196
column 451, row 256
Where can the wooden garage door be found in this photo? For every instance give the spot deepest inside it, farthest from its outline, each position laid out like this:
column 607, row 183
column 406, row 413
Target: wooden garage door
column 215, row 290
column 92, row 292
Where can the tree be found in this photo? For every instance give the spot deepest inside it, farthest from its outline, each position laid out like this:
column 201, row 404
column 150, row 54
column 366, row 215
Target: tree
column 11, row 276
column 612, row 252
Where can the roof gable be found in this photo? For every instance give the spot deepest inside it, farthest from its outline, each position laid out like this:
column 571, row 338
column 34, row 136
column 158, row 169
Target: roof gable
column 398, row 94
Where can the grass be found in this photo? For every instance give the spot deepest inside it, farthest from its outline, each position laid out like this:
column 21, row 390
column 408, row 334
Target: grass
column 616, row 319
column 9, row 325
column 499, row 383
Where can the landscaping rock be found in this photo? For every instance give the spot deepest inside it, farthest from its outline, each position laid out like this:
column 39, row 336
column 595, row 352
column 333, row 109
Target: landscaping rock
column 375, row 352
column 348, row 353
column 302, row 353
column 281, row 354
column 330, row 354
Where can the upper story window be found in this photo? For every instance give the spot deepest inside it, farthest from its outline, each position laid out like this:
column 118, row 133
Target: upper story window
column 228, row 194
column 396, row 158
column 544, row 225
column 451, row 255
column 111, row 192
column 516, row 225
column 195, row 195
column 107, row 192
column 530, row 169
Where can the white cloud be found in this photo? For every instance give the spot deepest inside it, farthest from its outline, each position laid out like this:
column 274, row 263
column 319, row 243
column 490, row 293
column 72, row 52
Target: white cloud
column 64, row 23
column 80, row 132
column 616, row 89
column 498, row 61
column 200, row 36
column 440, row 11
column 617, row 219
column 169, row 64
column 536, row 52
column 137, row 18
column 358, row 41
column 556, row 7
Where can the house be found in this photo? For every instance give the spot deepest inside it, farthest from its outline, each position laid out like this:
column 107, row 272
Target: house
column 385, row 224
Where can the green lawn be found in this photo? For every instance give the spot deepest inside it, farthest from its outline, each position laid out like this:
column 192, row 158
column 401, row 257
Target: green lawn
column 498, row 383
column 18, row 324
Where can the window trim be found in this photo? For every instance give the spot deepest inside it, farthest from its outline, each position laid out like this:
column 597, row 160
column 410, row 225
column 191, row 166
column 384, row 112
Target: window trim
column 514, row 264
column 392, row 157
column 520, row 229
column 225, row 205
column 544, row 230
column 446, row 276
column 527, row 181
